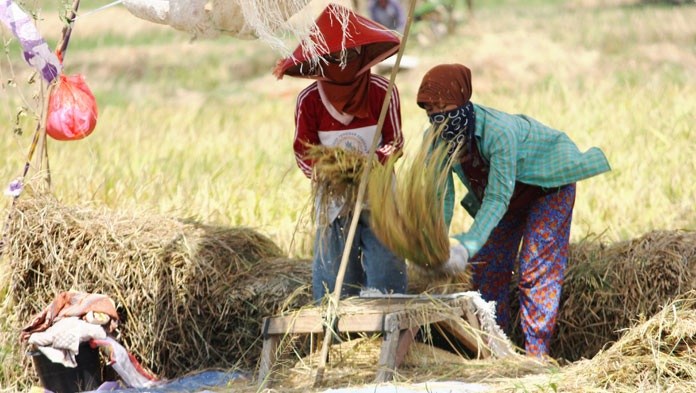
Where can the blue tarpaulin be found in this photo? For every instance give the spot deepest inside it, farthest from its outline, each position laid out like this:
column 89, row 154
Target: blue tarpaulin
column 189, row 384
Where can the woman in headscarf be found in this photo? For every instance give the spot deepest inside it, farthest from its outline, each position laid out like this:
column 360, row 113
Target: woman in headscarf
column 342, row 108
column 520, row 176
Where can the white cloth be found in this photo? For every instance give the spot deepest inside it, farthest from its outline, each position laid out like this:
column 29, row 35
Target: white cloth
column 60, row 342
column 372, row 292
column 156, row 11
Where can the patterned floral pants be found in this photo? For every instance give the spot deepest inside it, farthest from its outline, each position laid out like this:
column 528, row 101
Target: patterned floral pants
column 544, row 228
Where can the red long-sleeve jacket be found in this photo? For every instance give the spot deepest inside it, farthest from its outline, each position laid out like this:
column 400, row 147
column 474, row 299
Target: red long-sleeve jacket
column 315, row 125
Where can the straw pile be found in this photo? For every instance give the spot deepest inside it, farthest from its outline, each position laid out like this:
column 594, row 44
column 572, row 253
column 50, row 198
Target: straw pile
column 608, row 287
column 354, row 363
column 190, row 296
column 657, row 355
column 337, row 173
column 408, row 215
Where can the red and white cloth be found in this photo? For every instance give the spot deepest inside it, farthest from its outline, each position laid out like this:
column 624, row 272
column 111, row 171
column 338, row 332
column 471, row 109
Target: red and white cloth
column 74, row 304
column 72, row 318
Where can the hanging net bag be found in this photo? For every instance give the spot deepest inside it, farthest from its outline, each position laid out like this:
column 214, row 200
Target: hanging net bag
column 267, row 20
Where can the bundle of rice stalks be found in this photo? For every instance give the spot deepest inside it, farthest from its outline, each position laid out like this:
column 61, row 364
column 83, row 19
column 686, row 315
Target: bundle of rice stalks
column 190, row 296
column 407, row 215
column 608, row 287
column 337, row 173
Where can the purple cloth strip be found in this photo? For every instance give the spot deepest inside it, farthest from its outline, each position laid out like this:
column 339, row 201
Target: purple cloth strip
column 36, row 50
column 15, row 188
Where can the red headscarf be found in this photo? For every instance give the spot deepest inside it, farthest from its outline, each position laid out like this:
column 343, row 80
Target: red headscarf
column 445, row 84
column 346, row 88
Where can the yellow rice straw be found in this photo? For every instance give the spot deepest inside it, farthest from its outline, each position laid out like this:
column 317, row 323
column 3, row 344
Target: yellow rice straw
column 408, row 216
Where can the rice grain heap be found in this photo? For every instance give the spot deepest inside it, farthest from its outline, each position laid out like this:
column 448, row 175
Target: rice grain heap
column 190, row 296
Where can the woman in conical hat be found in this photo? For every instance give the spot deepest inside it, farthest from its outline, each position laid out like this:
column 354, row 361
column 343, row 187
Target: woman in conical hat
column 342, row 108
column 520, row 176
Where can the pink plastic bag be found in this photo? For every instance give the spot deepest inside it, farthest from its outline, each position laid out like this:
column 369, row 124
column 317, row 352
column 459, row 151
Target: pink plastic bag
column 72, row 109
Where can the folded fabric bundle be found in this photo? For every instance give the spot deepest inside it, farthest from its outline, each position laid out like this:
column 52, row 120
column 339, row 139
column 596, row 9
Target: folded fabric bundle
column 74, row 304
column 76, row 317
column 60, row 342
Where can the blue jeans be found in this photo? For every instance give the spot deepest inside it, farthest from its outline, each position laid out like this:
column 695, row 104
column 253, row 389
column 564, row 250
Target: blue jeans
column 370, row 265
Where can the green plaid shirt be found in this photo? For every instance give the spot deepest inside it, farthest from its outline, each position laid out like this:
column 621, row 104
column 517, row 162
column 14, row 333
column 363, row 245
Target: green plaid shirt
column 517, row 148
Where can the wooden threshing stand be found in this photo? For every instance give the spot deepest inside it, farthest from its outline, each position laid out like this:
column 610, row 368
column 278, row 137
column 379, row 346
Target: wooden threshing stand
column 398, row 318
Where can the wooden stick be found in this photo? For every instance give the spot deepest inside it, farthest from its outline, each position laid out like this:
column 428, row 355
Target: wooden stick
column 336, row 296
column 67, row 30
column 62, row 48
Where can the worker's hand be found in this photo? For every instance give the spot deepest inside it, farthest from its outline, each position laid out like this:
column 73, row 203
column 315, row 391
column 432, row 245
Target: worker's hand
column 458, row 259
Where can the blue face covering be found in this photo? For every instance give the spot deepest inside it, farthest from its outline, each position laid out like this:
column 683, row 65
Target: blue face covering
column 460, row 127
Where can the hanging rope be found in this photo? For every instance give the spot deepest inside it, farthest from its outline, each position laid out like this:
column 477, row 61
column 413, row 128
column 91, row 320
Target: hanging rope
column 96, row 10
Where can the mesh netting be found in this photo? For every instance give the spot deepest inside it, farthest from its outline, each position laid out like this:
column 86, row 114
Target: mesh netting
column 271, row 21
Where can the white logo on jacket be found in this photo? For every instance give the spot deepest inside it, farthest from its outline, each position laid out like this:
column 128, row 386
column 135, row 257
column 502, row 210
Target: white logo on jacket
column 356, row 139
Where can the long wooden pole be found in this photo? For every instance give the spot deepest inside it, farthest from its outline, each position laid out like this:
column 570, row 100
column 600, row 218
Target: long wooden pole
column 332, row 307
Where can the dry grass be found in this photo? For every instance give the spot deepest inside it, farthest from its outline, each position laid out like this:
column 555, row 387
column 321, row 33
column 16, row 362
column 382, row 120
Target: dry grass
column 656, row 355
column 354, row 364
column 190, row 295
